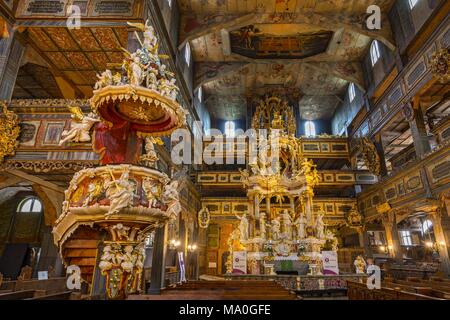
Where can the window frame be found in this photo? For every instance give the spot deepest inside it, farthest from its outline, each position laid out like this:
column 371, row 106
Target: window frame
column 187, row 54
column 406, row 238
column 33, row 200
column 310, row 128
column 412, row 4
column 375, row 53
column 351, row 92
column 230, row 132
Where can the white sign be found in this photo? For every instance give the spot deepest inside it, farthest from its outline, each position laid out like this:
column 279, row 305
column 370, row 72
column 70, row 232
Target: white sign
column 182, row 267
column 240, row 262
column 330, row 262
column 42, row 275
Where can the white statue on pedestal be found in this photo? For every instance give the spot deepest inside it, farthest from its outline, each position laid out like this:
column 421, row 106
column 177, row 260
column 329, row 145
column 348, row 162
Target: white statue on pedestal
column 170, row 197
column 320, row 227
column 300, row 223
column 276, row 228
column 243, row 226
column 262, row 226
column 287, row 222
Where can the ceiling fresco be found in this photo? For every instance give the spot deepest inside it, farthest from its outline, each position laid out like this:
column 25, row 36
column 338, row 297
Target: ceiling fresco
column 251, row 42
column 307, row 48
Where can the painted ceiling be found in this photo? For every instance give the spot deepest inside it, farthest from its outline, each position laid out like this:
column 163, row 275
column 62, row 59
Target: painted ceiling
column 307, row 48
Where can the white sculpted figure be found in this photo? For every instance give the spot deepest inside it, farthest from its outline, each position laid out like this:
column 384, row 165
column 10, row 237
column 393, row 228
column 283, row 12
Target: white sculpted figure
column 128, row 259
column 170, row 197
column 320, row 227
column 276, row 228
column 300, row 223
column 262, row 226
column 79, row 127
column 120, row 193
column 150, row 40
column 151, row 191
column 104, row 80
column 135, row 72
column 108, row 259
column 243, row 226
column 121, row 231
column 287, row 222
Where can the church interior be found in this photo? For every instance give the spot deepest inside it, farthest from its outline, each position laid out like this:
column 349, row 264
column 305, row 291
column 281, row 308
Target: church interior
column 224, row 150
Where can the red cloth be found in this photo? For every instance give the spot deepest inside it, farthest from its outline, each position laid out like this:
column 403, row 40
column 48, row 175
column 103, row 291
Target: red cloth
column 111, row 143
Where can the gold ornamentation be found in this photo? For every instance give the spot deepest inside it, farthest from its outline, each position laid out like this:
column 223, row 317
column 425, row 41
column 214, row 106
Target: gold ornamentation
column 273, row 112
column 204, row 218
column 370, row 155
column 44, row 166
column 440, row 64
column 145, row 93
column 353, row 218
column 9, row 132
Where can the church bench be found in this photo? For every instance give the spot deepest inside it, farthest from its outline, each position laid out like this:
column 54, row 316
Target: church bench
column 56, row 296
column 359, row 291
column 18, row 295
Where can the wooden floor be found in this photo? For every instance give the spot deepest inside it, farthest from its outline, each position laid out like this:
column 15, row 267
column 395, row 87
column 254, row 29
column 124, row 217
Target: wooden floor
column 223, row 290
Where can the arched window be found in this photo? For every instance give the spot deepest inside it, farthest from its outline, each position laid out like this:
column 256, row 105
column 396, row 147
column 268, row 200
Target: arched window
column 187, row 54
column 412, row 3
column 351, row 92
column 310, row 129
column 229, row 129
column 374, row 52
column 426, row 226
column 28, row 205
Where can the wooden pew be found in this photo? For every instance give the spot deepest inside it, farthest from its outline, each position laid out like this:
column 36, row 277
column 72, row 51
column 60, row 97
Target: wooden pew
column 56, row 296
column 18, row 295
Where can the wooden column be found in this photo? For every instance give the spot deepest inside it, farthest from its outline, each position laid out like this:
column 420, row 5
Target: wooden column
column 436, row 219
column 390, row 226
column 11, row 52
column 380, row 150
column 414, row 115
column 157, row 277
column 364, row 241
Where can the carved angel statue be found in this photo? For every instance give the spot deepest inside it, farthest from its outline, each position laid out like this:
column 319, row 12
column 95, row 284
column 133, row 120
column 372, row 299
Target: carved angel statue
column 135, row 70
column 168, row 88
column 127, row 259
column 360, row 264
column 170, row 197
column 121, row 231
column 105, row 79
column 331, row 237
column 80, row 127
column 243, row 226
column 108, row 259
column 300, row 223
column 151, row 157
column 120, row 192
column 275, row 228
column 150, row 40
column 152, row 191
column 320, row 227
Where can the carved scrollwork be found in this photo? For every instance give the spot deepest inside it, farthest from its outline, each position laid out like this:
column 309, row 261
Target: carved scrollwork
column 370, row 155
column 45, row 166
column 440, row 65
column 9, row 132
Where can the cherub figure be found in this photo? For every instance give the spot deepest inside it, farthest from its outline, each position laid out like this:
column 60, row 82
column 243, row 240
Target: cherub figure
column 105, row 79
column 170, row 197
column 80, row 127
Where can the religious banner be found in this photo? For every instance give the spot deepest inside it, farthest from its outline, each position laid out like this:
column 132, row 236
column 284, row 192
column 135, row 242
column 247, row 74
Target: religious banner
column 240, row 262
column 330, row 262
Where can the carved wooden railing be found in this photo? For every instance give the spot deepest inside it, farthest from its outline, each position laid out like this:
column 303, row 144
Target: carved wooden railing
column 425, row 178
